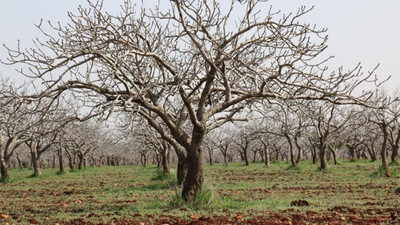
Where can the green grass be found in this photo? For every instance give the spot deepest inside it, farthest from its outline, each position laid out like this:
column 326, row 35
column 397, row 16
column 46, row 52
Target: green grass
column 101, row 194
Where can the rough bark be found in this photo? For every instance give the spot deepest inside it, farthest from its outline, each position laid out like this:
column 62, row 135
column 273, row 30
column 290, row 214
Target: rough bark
column 192, row 184
column 322, row 157
column 35, row 157
column 4, row 170
column 165, row 160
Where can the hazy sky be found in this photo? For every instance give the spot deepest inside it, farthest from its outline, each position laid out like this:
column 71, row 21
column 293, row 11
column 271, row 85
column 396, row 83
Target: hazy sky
column 366, row 31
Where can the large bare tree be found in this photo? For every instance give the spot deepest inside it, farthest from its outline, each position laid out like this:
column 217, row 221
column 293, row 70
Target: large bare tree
column 187, row 67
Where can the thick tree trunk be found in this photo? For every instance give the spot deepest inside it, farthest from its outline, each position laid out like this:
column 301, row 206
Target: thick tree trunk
column 322, row 158
column 81, row 162
column 195, row 174
column 4, row 170
column 36, row 163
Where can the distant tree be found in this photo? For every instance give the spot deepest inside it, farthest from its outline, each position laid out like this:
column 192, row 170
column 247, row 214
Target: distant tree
column 15, row 122
column 384, row 118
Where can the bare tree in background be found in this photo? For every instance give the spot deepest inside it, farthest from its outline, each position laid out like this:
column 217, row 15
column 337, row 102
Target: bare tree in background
column 15, row 121
column 192, row 64
column 385, row 118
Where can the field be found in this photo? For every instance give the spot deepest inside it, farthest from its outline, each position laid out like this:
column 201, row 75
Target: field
column 350, row 193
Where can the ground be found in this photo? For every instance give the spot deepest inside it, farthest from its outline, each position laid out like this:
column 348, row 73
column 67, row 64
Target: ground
column 350, row 193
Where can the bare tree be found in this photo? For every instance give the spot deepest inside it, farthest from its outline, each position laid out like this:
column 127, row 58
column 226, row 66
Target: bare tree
column 15, row 122
column 384, row 117
column 187, row 65
column 328, row 120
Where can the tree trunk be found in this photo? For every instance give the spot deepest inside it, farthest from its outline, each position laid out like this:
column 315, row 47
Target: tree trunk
column 60, row 160
column 20, row 165
column 165, row 158
column 192, row 184
column 36, row 164
column 314, row 155
column 266, row 157
column 262, row 156
column 225, row 159
column 4, row 170
column 255, row 156
column 182, row 168
column 372, row 153
column 81, row 161
column 395, row 154
column 143, row 159
column 334, row 155
column 291, row 153
column 210, row 153
column 71, row 163
column 384, row 151
column 322, row 157
column 352, row 153
column 299, row 148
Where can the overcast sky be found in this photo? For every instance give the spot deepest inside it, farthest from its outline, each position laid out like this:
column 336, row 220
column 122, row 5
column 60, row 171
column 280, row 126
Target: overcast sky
column 366, row 31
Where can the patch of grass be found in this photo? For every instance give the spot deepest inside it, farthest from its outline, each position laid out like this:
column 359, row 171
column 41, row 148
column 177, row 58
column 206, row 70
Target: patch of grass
column 59, row 173
column 296, row 168
column 380, row 172
column 202, row 200
column 161, row 176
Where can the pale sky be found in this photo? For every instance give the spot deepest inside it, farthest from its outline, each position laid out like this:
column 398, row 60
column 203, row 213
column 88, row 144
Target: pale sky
column 366, row 31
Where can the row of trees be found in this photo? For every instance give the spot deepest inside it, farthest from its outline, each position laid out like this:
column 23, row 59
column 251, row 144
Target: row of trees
column 188, row 68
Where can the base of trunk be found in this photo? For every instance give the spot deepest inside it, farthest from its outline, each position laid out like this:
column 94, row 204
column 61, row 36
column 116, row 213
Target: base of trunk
column 195, row 175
